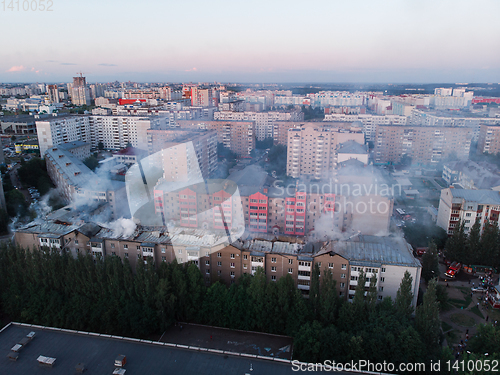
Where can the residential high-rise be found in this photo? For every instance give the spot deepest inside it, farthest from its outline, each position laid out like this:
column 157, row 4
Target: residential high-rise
column 489, row 139
column 425, row 145
column 53, row 93
column 80, row 94
column 312, row 149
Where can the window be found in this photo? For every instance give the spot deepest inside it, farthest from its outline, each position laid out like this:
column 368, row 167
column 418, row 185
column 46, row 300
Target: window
column 273, row 260
column 380, row 288
column 219, row 272
column 219, row 264
column 354, row 269
column 319, row 264
column 382, row 279
column 273, row 278
column 290, row 261
column 273, row 269
column 344, row 266
column 113, row 253
column 382, row 269
column 245, row 257
column 342, row 285
column 379, row 298
column 219, row 255
column 207, row 263
column 244, row 266
column 232, row 256
column 207, row 271
column 125, row 246
column 342, row 275
column 126, row 255
column 330, row 265
column 232, row 265
column 180, row 251
column 138, row 247
column 76, row 242
column 163, row 259
column 112, row 245
column 290, row 270
column 354, row 278
column 138, row 256
column 163, row 250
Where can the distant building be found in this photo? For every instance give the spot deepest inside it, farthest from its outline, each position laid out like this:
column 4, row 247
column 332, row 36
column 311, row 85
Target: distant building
column 489, row 139
column 18, row 125
column 425, row 145
column 238, row 136
column 80, row 149
column 467, row 205
column 471, row 175
column 53, row 93
column 312, row 149
column 80, row 94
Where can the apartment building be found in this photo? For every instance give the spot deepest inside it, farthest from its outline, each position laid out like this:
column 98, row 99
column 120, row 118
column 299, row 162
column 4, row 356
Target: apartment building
column 80, row 149
column 280, row 132
column 77, row 184
column 264, row 121
column 471, row 175
column 80, row 94
column 115, row 132
column 238, row 136
column 55, row 130
column 384, row 258
column 467, row 205
column 204, row 144
column 344, row 203
column 370, row 122
column 489, row 139
column 312, row 149
column 426, row 145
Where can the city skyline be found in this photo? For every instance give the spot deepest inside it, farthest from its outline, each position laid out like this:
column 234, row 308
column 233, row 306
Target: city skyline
column 322, row 41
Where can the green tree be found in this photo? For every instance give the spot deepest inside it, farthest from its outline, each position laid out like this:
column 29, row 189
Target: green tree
column 100, row 146
column 427, row 320
column 404, row 297
column 473, row 243
column 488, row 244
column 314, row 295
column 329, row 301
column 455, row 246
column 91, row 162
column 430, row 263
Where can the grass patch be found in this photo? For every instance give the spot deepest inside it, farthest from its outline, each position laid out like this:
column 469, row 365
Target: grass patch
column 461, row 303
column 462, row 320
column 476, row 311
column 446, row 326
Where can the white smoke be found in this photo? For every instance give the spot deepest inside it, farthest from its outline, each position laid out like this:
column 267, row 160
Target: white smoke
column 121, row 227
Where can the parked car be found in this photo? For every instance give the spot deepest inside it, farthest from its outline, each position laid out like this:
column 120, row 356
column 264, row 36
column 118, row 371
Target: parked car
column 479, row 289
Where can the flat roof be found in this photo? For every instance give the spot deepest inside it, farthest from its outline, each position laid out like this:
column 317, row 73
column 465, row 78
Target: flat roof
column 99, row 353
column 376, row 251
column 479, row 196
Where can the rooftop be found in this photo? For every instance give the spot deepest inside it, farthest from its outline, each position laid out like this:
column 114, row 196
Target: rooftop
column 480, row 196
column 352, row 147
column 71, row 145
column 98, row 353
column 376, row 251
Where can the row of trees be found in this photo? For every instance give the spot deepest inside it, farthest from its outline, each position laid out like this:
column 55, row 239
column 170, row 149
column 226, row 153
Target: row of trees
column 475, row 247
column 56, row 289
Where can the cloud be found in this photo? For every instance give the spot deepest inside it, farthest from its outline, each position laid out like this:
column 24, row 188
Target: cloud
column 107, row 64
column 68, row 64
column 191, row 70
column 51, row 61
column 16, row 68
